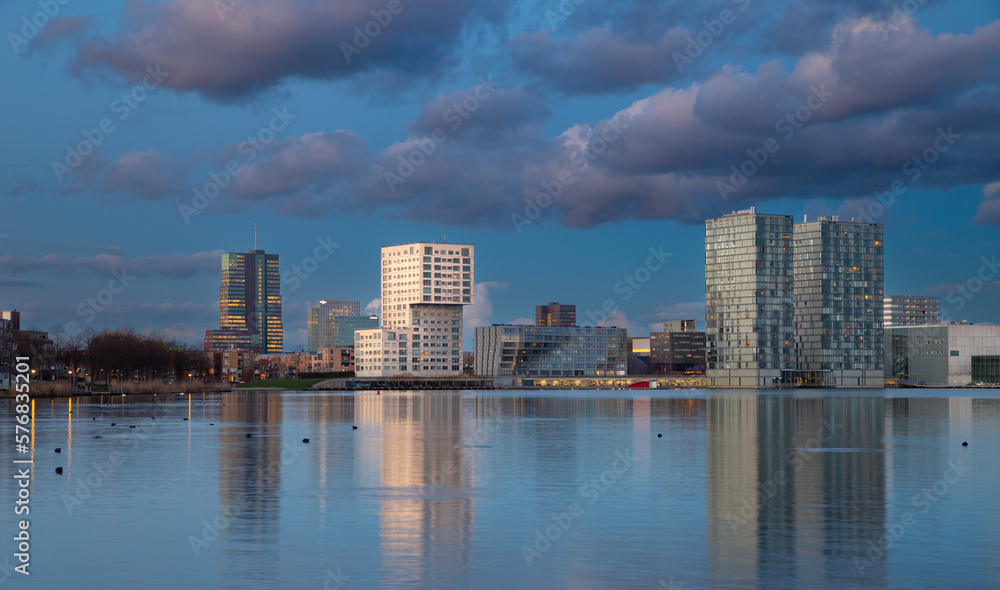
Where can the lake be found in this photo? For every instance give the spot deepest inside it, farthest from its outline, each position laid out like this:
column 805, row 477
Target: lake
column 512, row 489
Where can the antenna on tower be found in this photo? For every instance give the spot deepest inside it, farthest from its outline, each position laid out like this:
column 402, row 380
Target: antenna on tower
column 255, row 236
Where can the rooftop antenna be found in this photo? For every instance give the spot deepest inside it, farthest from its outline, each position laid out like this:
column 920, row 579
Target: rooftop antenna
column 255, row 236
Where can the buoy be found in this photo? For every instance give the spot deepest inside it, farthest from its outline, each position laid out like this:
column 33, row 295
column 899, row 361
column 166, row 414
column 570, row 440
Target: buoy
column 378, row 393
column 59, row 470
column 58, row 449
column 354, row 427
column 659, row 436
column 965, row 443
column 305, row 440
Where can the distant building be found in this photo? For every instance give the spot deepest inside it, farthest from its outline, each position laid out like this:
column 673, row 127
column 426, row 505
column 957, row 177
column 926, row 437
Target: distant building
column 910, row 310
column 537, row 351
column 681, row 326
column 320, row 321
column 639, row 346
column 944, row 354
column 677, row 352
column 346, row 326
column 10, row 323
column 424, row 288
column 249, row 304
column 234, row 366
column 555, row 314
column 327, row 360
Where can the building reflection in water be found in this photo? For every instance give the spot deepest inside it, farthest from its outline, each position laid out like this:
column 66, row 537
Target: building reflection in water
column 250, row 461
column 796, row 488
column 426, row 476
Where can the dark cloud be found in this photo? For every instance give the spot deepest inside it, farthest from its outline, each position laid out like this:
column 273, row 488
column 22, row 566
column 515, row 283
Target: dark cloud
column 61, row 28
column 173, row 266
column 859, row 112
column 255, row 45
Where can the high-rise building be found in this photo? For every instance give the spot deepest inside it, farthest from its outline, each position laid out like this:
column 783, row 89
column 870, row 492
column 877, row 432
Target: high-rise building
column 748, row 299
column 910, row 310
column 346, row 326
column 424, row 286
column 793, row 304
column 249, row 304
column 681, row 326
column 320, row 321
column 555, row 314
column 837, row 300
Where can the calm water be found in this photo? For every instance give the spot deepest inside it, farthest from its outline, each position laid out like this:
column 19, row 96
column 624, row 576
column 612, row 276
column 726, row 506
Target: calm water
column 459, row 490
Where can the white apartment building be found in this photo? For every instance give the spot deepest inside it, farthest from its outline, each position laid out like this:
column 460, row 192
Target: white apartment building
column 424, row 286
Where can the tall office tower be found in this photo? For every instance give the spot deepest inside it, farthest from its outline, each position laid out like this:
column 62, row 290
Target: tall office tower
column 909, row 310
column 249, row 304
column 748, row 299
column 555, row 314
column 681, row 326
column 319, row 320
column 838, row 303
column 424, row 286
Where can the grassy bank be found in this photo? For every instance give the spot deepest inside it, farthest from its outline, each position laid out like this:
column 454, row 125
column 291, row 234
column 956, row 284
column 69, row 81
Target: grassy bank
column 293, row 384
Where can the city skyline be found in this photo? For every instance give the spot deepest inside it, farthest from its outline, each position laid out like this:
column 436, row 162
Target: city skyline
column 611, row 132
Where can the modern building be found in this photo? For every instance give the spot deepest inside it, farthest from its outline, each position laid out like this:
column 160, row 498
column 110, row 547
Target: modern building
column 681, row 326
column 793, row 304
column 910, row 310
column 10, row 324
column 320, row 321
column 249, row 304
column 327, row 360
column 345, row 327
column 424, row 288
column 555, row 314
column 837, row 303
column 944, row 354
column 677, row 352
column 748, row 299
column 543, row 351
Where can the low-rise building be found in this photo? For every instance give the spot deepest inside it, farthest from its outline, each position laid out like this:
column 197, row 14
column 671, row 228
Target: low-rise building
column 541, row 351
column 677, row 352
column 944, row 354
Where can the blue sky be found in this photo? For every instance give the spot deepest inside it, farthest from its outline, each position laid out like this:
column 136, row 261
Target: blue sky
column 644, row 107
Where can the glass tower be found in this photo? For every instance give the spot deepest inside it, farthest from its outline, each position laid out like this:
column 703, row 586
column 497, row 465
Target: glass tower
column 838, row 303
column 748, row 299
column 250, row 298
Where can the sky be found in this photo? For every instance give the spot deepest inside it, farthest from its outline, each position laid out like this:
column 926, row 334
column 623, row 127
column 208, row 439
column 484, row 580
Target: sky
column 580, row 145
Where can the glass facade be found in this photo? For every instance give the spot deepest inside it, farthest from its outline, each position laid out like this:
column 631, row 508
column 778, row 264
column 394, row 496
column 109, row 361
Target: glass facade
column 250, row 299
column 748, row 299
column 321, row 331
column 837, row 302
column 541, row 351
column 555, row 314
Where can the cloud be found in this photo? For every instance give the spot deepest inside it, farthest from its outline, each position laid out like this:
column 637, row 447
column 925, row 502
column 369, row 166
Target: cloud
column 172, row 266
column 480, row 313
column 61, row 28
column 373, row 306
column 845, row 121
column 522, row 321
column 246, row 48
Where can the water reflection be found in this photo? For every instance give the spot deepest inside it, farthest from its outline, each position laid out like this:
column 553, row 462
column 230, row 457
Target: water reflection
column 796, row 486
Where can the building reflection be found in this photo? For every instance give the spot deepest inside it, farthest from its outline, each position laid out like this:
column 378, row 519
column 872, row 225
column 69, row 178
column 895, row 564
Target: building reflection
column 796, row 489
column 250, row 461
column 425, row 477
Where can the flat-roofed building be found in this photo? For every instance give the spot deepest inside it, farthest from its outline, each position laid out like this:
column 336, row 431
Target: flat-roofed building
column 910, row 310
column 677, row 352
column 545, row 351
column 944, row 354
column 555, row 314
